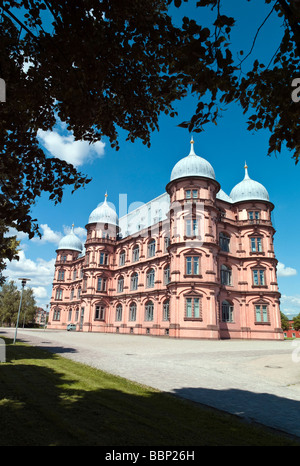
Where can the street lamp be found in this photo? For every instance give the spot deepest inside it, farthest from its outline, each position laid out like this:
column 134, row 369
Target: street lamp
column 23, row 282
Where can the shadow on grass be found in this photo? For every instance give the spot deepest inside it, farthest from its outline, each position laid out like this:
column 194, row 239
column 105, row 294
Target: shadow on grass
column 46, row 400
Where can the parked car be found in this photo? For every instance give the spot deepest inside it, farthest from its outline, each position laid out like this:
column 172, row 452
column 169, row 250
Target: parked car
column 71, row 327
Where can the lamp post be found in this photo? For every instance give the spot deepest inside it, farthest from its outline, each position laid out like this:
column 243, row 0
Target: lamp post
column 23, row 282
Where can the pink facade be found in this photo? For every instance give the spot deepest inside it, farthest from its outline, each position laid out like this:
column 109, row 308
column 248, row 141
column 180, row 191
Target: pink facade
column 202, row 267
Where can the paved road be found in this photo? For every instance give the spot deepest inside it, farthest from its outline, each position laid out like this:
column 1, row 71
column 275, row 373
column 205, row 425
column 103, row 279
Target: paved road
column 257, row 380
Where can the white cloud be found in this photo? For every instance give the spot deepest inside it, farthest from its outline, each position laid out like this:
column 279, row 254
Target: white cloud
column 78, row 231
column 283, row 271
column 48, row 235
column 290, row 305
column 64, row 147
column 40, row 273
column 39, row 292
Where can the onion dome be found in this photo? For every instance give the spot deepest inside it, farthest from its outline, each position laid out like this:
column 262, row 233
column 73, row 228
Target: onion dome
column 70, row 242
column 249, row 190
column 223, row 196
column 192, row 165
column 104, row 214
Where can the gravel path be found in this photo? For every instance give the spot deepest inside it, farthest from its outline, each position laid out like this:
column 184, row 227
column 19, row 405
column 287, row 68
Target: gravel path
column 257, row 380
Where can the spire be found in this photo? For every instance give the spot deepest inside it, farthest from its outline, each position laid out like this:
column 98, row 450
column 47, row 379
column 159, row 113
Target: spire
column 246, row 172
column 192, row 152
column 105, row 197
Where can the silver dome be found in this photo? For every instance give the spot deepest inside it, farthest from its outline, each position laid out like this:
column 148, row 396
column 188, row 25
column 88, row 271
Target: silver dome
column 104, row 214
column 70, row 242
column 249, row 189
column 192, row 165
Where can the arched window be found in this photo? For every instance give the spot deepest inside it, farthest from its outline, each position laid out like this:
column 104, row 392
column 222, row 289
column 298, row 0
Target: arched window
column 135, row 254
column 72, row 294
column 56, row 313
column 150, row 277
column 101, row 283
column 119, row 313
column 120, row 286
column 227, row 311
column 99, row 312
column 134, row 281
column 59, row 294
column 149, row 310
column 61, row 275
column 122, row 258
column 70, row 315
column 226, row 275
column 224, row 241
column 132, row 312
column 166, row 274
column 151, row 248
column 166, row 310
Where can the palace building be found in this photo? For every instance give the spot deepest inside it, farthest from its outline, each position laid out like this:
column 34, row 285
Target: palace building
column 192, row 263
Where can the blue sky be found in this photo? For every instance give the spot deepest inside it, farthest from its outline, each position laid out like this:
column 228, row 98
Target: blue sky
column 142, row 173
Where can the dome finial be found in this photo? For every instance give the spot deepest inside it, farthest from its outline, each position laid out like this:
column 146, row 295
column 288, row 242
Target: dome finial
column 192, row 152
column 246, row 172
column 105, row 197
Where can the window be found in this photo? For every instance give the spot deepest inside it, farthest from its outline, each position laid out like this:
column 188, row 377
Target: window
column 122, row 258
column 74, row 274
column 151, row 248
column 103, row 258
column 79, row 292
column 135, row 254
column 150, row 277
column 101, row 284
column 224, row 242
column 119, row 313
column 100, row 312
column 61, row 275
column 195, row 193
column 192, row 265
column 149, row 308
column 63, row 258
column 255, row 244
column 70, row 315
column 226, row 275
column 132, row 312
column 166, row 275
column 227, row 312
column 56, row 314
column 58, row 294
column 188, row 194
column 193, row 308
column 76, row 314
column 166, row 310
column 84, row 283
column 253, row 215
column 134, row 281
column 166, row 243
column 72, row 294
column 261, row 313
column 120, row 285
column 258, row 277
column 191, row 227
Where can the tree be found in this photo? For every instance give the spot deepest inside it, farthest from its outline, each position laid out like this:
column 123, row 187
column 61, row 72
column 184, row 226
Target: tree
column 9, row 305
column 101, row 66
column 285, row 324
column 296, row 323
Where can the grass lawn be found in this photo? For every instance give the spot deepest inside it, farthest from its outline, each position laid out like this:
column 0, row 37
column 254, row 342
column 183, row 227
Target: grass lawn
column 47, row 400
